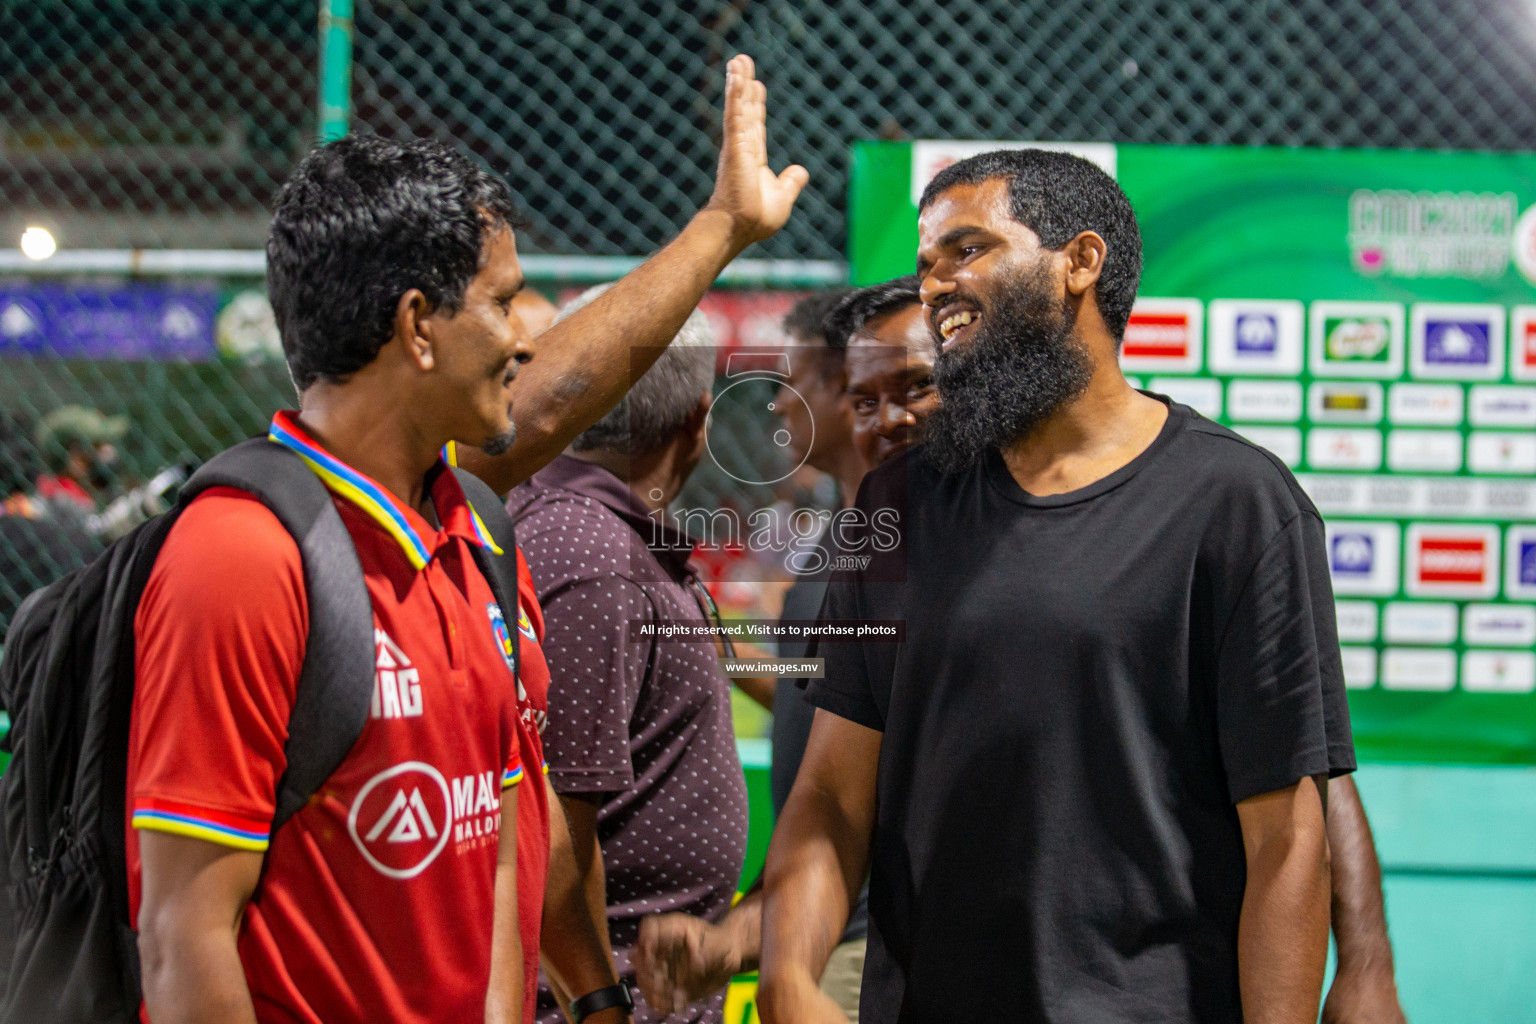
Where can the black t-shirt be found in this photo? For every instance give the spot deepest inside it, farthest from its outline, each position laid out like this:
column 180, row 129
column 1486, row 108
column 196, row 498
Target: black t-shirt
column 1088, row 684
column 793, row 714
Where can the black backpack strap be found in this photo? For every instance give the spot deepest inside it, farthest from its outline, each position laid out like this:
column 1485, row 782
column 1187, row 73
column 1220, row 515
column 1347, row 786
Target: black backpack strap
column 335, row 687
column 500, row 571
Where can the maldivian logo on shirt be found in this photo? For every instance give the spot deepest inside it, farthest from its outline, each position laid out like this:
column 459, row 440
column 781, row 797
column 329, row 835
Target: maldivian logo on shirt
column 401, row 819
column 404, row 817
column 396, row 685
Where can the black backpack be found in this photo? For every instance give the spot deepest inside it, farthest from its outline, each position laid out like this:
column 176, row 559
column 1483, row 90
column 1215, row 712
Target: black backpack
column 68, row 952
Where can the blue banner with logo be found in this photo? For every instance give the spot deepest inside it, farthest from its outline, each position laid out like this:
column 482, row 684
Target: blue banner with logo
column 138, row 321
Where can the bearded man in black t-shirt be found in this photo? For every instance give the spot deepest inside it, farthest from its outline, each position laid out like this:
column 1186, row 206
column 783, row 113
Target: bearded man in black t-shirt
column 1089, row 783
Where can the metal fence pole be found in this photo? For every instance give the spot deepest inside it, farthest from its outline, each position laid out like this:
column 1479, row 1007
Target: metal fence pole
column 335, row 68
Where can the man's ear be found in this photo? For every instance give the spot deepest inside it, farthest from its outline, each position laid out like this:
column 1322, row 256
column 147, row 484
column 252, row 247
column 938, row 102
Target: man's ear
column 414, row 323
column 1085, row 262
column 698, row 419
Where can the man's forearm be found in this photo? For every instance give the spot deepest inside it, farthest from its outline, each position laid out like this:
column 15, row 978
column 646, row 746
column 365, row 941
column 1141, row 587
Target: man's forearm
column 504, row 996
column 574, row 938
column 1359, row 919
column 192, row 977
column 1282, row 945
column 194, row 894
column 1364, row 989
column 586, row 363
column 815, row 868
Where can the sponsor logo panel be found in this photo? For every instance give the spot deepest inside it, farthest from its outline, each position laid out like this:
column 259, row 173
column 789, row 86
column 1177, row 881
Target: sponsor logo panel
column 1409, row 669
column 1363, row 557
column 1425, row 405
column 1357, row 621
column 1501, row 452
column 1520, row 563
column 1498, row 671
column 1359, row 665
column 1450, row 497
column 1499, row 625
column 1503, row 405
column 1356, row 339
column 1424, row 451
column 1408, row 622
column 1457, row 341
column 1344, row 402
column 1522, row 343
column 1402, row 233
column 1452, row 560
column 1261, row 337
column 1201, row 395
column 1164, row 336
column 1424, row 497
column 1343, row 448
column 1264, row 401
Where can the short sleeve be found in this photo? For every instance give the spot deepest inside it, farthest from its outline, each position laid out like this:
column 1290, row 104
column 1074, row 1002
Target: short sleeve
column 845, row 688
column 1341, row 743
column 512, row 774
column 596, row 673
column 1278, row 668
column 219, row 644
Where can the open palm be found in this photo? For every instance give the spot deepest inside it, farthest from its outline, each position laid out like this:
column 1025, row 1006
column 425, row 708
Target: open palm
column 758, row 200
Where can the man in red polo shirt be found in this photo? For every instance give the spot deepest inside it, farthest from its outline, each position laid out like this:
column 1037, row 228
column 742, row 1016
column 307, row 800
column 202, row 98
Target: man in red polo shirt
column 401, row 891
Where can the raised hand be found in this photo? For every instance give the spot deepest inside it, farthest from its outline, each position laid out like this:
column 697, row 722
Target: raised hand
column 757, row 200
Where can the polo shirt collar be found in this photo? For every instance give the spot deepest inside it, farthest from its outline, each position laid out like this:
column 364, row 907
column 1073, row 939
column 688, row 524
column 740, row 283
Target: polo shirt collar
column 593, row 481
column 417, row 539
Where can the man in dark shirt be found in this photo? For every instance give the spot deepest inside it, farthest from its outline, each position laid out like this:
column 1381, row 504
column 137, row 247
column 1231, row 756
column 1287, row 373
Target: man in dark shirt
column 1090, row 782
column 877, row 339
column 640, row 745
column 886, row 364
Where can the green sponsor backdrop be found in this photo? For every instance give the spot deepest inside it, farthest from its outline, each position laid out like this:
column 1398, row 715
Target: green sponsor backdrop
column 1436, row 477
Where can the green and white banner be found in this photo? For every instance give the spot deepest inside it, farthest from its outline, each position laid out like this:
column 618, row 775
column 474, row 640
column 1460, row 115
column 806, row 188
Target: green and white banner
column 1370, row 317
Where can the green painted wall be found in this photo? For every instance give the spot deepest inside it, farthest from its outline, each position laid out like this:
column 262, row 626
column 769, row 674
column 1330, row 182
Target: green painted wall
column 1458, row 854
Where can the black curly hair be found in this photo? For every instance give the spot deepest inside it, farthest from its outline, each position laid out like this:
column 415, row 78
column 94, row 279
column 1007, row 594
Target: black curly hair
column 1058, row 196
column 361, row 221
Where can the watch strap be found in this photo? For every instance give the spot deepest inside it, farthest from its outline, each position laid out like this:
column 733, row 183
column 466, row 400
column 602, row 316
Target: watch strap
column 602, row 999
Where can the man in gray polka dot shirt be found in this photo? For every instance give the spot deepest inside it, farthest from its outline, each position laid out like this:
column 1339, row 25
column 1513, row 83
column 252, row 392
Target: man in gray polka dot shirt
column 640, row 744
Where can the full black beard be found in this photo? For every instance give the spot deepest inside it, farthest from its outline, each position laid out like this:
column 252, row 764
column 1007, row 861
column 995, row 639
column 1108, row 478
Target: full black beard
column 1022, row 366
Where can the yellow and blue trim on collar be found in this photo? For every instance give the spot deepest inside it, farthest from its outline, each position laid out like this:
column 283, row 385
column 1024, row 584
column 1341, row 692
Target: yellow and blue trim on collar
column 366, row 494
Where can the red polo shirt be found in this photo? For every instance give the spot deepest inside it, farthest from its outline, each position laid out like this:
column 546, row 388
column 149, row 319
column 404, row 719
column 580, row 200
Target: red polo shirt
column 376, row 902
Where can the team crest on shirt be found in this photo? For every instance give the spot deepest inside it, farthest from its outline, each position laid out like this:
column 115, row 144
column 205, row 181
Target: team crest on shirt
column 525, row 625
column 502, row 634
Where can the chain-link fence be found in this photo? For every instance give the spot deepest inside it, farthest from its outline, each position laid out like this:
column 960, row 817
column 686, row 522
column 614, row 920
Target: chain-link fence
column 169, row 124
column 622, row 98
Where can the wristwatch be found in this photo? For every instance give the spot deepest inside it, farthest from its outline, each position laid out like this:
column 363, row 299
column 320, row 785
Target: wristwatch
column 603, row 999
